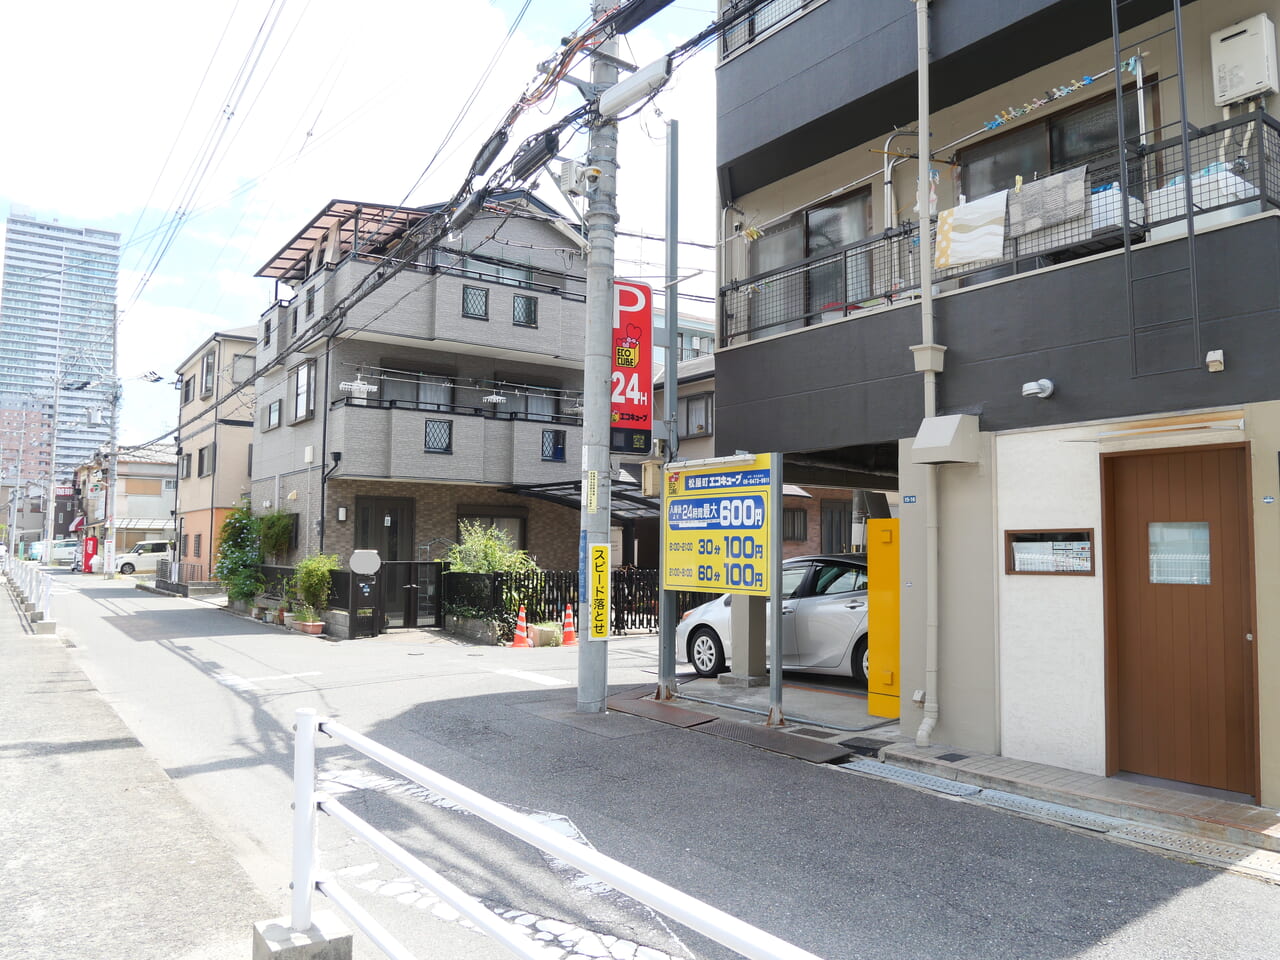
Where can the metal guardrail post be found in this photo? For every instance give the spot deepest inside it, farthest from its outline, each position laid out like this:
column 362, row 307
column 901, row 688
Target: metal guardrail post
column 304, row 818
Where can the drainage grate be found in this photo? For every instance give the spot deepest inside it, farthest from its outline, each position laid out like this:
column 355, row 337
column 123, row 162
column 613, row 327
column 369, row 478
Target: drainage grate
column 1227, row 854
column 865, row 746
column 912, row 778
column 800, row 747
column 1043, row 810
column 813, row 732
column 953, row 757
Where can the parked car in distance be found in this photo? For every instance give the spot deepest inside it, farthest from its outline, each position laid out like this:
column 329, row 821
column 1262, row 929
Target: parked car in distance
column 824, row 620
column 64, row 551
column 142, row 557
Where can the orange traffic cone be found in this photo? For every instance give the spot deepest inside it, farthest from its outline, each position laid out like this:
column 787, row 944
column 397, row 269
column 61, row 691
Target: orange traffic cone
column 522, row 632
column 570, row 635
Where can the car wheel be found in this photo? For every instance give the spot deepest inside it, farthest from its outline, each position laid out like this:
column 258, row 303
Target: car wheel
column 706, row 653
column 861, row 661
column 126, row 568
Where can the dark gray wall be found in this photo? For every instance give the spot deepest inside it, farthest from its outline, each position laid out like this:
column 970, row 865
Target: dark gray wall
column 844, row 73
column 852, row 383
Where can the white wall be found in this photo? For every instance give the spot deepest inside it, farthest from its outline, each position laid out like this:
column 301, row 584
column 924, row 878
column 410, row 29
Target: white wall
column 1052, row 672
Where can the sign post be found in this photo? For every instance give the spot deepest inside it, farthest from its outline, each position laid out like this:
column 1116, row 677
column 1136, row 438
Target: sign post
column 722, row 526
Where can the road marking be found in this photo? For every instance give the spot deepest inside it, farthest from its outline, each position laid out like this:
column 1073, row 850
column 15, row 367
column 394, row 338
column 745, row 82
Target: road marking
column 250, row 684
column 541, row 678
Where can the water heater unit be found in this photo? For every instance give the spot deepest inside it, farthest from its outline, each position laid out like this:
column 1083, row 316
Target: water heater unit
column 1244, row 60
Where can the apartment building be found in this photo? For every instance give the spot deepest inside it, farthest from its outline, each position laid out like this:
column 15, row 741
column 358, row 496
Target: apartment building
column 1104, row 437
column 450, row 393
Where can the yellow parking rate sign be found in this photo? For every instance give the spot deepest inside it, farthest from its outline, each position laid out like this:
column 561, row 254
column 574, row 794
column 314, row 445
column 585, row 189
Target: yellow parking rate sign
column 717, row 519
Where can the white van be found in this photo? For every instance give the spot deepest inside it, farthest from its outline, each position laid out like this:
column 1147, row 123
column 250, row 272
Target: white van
column 142, row 557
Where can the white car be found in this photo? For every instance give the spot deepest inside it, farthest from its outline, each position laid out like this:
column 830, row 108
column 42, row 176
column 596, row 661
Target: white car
column 143, row 557
column 824, row 621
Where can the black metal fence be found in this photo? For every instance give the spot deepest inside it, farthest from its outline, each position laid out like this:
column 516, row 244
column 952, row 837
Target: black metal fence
column 545, row 593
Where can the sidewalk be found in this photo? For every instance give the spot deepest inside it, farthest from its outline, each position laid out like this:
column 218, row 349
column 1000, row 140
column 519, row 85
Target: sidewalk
column 104, row 858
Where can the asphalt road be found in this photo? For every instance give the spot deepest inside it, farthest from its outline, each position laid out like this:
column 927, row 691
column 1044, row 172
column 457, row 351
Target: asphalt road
column 841, row 865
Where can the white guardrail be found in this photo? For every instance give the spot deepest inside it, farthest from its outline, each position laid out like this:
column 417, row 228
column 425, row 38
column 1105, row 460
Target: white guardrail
column 747, row 940
column 36, row 587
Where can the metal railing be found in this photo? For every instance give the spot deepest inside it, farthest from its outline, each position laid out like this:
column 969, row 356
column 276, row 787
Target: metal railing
column 1234, row 164
column 458, row 409
column 746, row 940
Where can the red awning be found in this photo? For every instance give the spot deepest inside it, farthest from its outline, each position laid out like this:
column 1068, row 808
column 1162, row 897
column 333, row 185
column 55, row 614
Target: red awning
column 76, row 525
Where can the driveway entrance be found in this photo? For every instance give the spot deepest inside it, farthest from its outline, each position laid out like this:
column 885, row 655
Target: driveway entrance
column 1179, row 583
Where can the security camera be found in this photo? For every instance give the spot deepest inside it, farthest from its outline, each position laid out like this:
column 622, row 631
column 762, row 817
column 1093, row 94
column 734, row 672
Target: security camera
column 592, row 174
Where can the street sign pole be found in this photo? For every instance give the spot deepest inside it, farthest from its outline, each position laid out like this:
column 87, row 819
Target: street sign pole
column 775, row 592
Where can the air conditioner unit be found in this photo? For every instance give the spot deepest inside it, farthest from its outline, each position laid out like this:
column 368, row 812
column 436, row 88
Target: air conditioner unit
column 1244, row 60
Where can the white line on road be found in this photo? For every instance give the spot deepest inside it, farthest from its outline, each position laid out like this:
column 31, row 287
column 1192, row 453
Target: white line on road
column 541, row 678
column 249, row 684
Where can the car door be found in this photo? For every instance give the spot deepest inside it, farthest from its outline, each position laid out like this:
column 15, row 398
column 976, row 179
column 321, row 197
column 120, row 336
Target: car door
column 794, row 578
column 831, row 616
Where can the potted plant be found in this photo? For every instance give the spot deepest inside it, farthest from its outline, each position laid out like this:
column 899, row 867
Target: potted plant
column 307, row 619
column 312, row 581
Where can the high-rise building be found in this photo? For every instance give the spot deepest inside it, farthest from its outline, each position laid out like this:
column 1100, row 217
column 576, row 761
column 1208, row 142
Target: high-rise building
column 57, row 327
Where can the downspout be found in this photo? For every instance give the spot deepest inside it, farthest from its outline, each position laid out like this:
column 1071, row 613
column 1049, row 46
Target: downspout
column 930, row 380
column 324, row 441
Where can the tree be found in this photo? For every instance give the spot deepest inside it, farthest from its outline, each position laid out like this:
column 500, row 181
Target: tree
column 276, row 532
column 313, row 579
column 486, row 549
column 239, row 566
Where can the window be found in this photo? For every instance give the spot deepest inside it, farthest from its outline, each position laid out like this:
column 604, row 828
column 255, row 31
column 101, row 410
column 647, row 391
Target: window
column 475, row 302
column 1064, row 140
column 266, row 333
column 170, row 485
column 199, row 538
column 837, row 578
column 524, row 312
column 293, row 321
column 417, row 391
column 749, row 28
column 304, row 391
column 185, row 543
column 795, row 523
column 1179, row 552
column 206, row 373
column 188, row 390
column 311, row 302
column 205, row 460
column 438, row 436
column 184, row 466
column 540, row 405
column 693, row 415
column 272, row 419
column 553, row 445
column 509, row 523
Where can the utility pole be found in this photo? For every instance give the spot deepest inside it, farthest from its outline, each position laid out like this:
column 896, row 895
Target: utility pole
column 601, row 220
column 109, row 530
column 53, row 453
column 668, row 615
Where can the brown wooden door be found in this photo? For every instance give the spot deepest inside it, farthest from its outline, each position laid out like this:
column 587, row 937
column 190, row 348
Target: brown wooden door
column 1179, row 611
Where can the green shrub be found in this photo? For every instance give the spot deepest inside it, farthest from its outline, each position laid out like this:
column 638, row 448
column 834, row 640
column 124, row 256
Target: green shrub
column 313, row 578
column 486, row 549
column 239, row 565
column 276, row 532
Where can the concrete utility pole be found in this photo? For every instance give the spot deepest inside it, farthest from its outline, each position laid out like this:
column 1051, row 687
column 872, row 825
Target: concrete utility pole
column 602, row 220
column 668, row 615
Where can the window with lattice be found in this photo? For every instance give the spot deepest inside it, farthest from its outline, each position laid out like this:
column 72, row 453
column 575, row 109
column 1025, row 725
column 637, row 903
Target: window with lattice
column 475, row 302
column 524, row 312
column 439, row 436
column 553, row 445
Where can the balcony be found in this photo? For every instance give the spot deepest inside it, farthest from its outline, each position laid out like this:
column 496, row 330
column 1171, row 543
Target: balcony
column 1236, row 173
column 409, row 440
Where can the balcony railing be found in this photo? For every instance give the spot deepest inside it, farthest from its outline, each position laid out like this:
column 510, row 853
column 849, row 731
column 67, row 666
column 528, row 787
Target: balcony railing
column 492, row 413
column 1235, row 168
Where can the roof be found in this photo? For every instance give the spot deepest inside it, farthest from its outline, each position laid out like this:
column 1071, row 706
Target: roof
column 247, row 334
column 374, row 225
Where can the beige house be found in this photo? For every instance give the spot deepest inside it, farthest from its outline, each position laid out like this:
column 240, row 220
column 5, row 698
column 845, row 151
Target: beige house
column 215, row 440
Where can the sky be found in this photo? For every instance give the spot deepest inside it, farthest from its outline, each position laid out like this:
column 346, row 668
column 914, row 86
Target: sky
column 236, row 121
